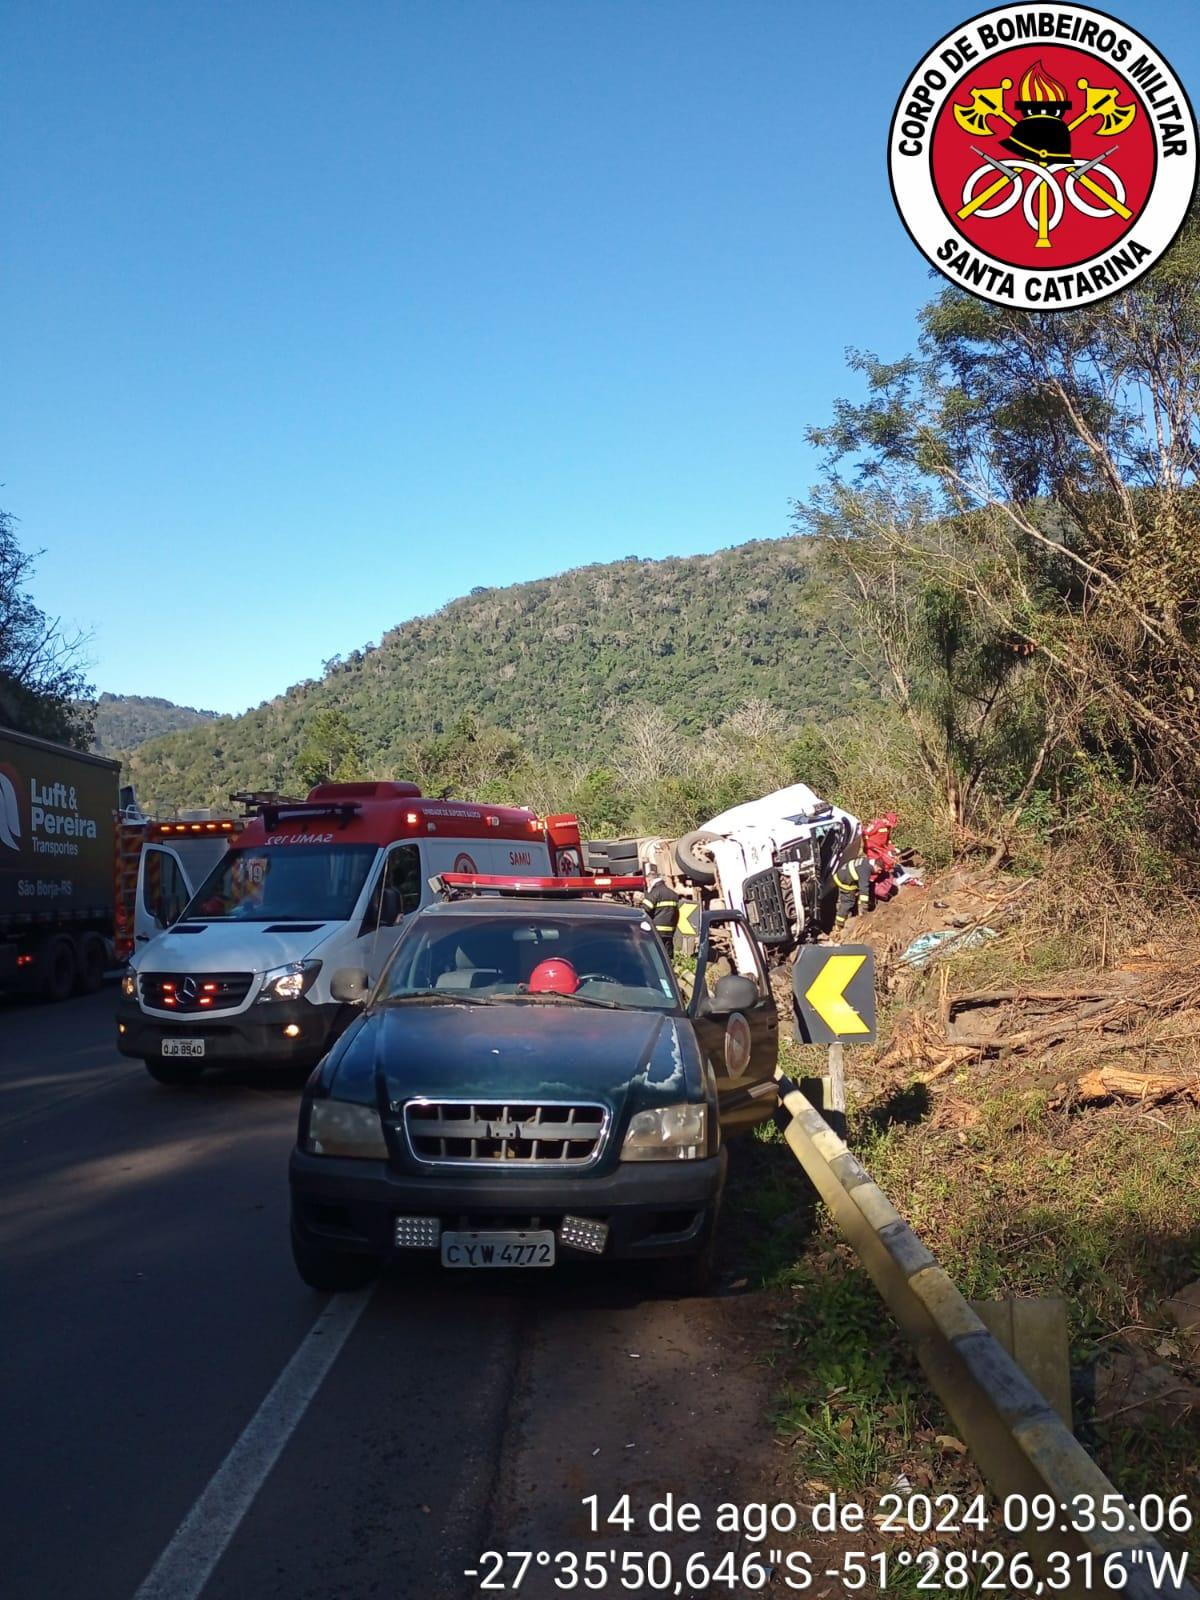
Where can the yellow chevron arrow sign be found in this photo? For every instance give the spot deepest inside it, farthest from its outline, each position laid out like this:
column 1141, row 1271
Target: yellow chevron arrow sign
column 826, row 994
column 834, row 992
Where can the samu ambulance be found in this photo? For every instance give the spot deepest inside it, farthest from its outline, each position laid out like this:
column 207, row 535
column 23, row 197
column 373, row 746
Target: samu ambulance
column 305, row 888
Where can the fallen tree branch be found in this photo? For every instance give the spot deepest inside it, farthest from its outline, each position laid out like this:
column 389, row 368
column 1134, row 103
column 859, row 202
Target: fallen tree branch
column 1097, row 1014
column 996, row 997
column 1147, row 1088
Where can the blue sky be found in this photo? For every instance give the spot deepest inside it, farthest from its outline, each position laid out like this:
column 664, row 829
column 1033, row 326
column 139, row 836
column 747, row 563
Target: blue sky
column 317, row 315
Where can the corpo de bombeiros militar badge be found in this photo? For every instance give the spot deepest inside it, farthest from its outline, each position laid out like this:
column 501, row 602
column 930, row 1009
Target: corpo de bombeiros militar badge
column 1043, row 156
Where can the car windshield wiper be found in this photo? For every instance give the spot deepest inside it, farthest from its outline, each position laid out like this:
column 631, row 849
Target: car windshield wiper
column 572, row 999
column 448, row 997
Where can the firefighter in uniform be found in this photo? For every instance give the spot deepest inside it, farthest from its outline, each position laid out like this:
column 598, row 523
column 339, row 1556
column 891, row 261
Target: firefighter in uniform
column 852, row 880
column 661, row 904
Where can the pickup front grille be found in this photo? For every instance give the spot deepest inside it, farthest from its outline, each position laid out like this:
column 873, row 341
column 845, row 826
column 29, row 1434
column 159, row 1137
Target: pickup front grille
column 477, row 1133
column 190, row 993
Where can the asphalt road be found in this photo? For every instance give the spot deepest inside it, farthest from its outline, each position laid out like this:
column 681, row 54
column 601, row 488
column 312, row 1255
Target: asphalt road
column 181, row 1416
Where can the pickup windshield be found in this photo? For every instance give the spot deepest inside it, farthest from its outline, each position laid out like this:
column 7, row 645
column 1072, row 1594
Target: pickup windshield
column 284, row 883
column 610, row 964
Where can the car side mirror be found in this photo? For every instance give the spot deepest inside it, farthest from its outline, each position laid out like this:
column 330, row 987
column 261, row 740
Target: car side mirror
column 350, row 985
column 731, row 993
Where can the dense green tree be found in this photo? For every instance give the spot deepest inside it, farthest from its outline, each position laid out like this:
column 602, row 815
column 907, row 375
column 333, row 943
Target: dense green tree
column 43, row 688
column 1016, row 508
column 330, row 750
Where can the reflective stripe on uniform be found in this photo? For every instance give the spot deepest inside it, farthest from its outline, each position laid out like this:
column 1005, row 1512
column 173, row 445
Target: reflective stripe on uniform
column 852, row 869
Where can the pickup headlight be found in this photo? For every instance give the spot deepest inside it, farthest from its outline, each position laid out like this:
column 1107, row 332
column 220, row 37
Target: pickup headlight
column 290, row 982
column 668, row 1133
column 336, row 1128
column 129, row 985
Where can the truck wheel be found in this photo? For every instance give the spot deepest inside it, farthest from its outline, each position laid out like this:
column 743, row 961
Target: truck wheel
column 92, row 960
column 57, row 964
column 330, row 1270
column 693, row 865
column 173, row 1073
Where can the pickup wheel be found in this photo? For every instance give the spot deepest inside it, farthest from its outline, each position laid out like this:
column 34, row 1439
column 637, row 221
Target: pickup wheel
column 698, row 868
column 330, row 1270
column 172, row 1072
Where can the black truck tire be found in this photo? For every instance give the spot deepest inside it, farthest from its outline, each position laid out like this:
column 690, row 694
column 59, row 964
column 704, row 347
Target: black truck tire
column 92, row 958
column 622, row 849
column 57, row 969
column 696, row 867
column 330, row 1270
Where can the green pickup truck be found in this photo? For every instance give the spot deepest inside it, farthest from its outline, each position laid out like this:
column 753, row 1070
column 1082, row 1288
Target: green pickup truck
column 525, row 1085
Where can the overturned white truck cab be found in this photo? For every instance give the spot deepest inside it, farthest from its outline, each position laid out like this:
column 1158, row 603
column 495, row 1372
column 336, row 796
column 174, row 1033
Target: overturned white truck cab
column 767, row 857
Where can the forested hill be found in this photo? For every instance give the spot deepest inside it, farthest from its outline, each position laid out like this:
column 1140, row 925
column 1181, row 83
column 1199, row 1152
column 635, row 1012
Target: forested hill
column 552, row 662
column 124, row 721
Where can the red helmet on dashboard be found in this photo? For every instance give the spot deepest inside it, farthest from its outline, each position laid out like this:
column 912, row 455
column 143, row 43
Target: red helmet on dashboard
column 553, row 976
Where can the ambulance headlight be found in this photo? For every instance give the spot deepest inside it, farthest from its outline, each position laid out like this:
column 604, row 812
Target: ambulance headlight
column 129, row 985
column 290, row 982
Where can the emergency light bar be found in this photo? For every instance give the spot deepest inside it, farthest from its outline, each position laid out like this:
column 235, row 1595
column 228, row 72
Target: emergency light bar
column 161, row 830
column 302, row 810
column 482, row 882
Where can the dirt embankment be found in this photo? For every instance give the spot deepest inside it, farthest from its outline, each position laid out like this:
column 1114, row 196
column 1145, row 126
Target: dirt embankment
column 955, row 961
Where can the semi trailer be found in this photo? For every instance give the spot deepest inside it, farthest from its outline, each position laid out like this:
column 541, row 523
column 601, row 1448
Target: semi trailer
column 56, row 866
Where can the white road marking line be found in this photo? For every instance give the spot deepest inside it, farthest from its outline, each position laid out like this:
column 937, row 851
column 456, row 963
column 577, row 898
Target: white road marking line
column 201, row 1539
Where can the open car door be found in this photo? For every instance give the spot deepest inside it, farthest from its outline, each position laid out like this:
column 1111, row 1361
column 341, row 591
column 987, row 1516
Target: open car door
column 736, row 1020
column 163, row 889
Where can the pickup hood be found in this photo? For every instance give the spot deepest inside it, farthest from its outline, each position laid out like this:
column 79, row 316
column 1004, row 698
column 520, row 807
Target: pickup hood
column 233, row 947
column 519, row 1051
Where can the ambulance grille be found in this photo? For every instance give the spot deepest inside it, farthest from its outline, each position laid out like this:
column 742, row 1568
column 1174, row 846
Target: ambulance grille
column 192, row 993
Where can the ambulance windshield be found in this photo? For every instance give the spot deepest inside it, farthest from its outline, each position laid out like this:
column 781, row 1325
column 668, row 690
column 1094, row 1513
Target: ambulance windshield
column 284, row 883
